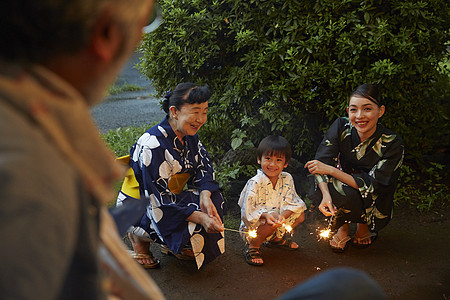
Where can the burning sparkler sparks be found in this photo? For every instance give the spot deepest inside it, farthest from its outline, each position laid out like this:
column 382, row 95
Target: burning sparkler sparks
column 251, row 233
column 325, row 233
column 287, row 227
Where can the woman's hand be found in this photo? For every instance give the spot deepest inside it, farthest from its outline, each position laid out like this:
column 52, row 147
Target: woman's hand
column 213, row 223
column 318, row 167
column 326, row 205
column 207, row 206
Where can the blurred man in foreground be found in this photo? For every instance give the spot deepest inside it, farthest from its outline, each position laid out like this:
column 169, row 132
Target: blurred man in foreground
column 57, row 58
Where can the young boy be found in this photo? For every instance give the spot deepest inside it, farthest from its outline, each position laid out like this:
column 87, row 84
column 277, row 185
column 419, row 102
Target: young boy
column 269, row 203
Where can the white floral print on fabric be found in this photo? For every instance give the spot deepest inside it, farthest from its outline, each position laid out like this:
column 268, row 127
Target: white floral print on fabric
column 157, row 213
column 169, row 167
column 144, row 146
column 221, row 243
column 198, row 242
column 191, row 227
column 163, row 131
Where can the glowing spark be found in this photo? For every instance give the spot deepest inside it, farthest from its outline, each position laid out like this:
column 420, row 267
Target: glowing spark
column 252, row 233
column 287, row 227
column 325, row 233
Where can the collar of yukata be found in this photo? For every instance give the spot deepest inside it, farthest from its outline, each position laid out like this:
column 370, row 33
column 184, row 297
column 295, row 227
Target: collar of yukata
column 177, row 144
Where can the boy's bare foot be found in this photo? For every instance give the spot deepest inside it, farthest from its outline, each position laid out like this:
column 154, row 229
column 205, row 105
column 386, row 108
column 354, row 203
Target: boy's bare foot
column 253, row 256
column 286, row 244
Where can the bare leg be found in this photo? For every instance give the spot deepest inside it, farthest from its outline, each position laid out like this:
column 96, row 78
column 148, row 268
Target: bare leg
column 263, row 232
column 141, row 247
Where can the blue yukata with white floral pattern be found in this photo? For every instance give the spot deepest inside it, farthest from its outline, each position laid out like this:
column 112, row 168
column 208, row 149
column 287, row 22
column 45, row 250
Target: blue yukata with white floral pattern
column 375, row 166
column 158, row 157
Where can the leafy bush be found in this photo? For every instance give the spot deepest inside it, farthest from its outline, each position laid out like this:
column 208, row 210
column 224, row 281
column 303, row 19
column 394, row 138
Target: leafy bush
column 425, row 190
column 121, row 140
column 115, row 89
column 289, row 66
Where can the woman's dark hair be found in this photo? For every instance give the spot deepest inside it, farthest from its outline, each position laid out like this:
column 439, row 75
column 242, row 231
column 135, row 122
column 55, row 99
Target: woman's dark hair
column 185, row 93
column 274, row 145
column 368, row 91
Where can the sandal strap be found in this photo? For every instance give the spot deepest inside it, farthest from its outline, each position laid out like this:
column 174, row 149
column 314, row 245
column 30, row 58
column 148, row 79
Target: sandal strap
column 143, row 256
column 363, row 238
column 254, row 252
column 340, row 242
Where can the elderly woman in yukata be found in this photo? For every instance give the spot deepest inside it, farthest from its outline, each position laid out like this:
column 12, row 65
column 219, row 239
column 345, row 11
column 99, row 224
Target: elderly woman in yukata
column 173, row 172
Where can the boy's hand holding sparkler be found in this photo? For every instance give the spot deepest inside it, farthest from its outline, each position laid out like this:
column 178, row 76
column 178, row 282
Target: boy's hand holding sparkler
column 273, row 219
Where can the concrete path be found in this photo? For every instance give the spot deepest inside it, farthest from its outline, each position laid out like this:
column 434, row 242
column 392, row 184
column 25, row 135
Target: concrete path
column 129, row 108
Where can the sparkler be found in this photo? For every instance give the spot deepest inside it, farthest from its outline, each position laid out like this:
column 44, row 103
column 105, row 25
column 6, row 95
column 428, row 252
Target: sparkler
column 251, row 233
column 325, row 233
column 287, row 227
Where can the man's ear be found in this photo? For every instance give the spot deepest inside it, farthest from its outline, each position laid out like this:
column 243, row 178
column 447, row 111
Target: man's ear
column 106, row 37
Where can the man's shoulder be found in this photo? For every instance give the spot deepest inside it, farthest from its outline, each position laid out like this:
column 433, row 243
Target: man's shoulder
column 29, row 153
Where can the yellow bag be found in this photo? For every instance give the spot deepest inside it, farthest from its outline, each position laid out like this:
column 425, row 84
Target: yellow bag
column 130, row 186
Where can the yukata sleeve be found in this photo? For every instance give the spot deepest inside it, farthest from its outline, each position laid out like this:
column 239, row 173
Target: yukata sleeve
column 328, row 150
column 204, row 174
column 386, row 171
column 291, row 200
column 251, row 210
column 153, row 165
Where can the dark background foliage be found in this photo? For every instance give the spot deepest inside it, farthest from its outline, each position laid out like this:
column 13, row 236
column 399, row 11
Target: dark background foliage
column 288, row 67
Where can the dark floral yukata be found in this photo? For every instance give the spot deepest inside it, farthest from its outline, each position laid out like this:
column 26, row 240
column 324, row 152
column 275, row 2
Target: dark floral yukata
column 375, row 166
column 171, row 175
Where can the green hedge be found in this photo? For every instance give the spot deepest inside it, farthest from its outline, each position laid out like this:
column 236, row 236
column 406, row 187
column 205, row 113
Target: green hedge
column 288, row 67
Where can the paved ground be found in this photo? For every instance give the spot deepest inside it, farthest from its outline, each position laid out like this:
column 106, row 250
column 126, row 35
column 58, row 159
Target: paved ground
column 410, row 260
column 129, row 108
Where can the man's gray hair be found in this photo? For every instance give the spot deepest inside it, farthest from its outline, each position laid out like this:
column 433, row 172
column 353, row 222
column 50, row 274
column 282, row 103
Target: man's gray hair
column 32, row 31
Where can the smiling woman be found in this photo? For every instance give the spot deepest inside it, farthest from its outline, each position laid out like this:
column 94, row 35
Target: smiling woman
column 174, row 174
column 356, row 168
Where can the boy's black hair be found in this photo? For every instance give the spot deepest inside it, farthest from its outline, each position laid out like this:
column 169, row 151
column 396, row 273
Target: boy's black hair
column 274, row 145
